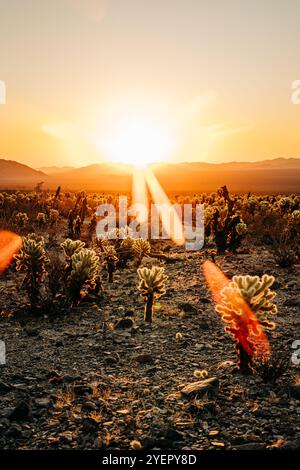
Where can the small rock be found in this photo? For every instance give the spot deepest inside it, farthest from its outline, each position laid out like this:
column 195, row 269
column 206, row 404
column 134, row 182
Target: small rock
column 90, row 425
column 145, row 358
column 22, row 412
column 209, row 386
column 82, row 390
column 71, row 378
column 129, row 313
column 172, row 434
column 89, row 405
column 4, row 387
column 188, row 308
column 32, row 331
column 111, row 360
column 14, row 431
column 251, row 446
column 43, row 402
column 124, row 323
column 291, row 445
column 295, row 391
column 54, row 377
column 226, row 364
column 292, row 302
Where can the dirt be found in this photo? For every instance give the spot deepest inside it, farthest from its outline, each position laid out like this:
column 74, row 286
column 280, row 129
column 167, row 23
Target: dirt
column 76, row 381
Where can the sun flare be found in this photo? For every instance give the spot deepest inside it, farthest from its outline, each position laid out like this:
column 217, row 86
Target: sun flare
column 139, row 141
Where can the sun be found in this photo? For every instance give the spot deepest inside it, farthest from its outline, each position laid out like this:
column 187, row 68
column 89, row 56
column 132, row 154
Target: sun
column 138, row 140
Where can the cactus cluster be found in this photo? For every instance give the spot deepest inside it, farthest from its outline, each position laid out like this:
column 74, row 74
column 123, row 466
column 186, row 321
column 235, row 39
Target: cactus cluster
column 84, row 271
column 81, row 269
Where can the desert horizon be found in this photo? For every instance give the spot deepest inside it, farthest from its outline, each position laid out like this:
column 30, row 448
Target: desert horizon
column 277, row 175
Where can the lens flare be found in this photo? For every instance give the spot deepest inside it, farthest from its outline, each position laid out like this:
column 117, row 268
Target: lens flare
column 9, row 245
column 242, row 321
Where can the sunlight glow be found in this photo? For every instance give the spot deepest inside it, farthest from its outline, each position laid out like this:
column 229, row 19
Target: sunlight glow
column 138, row 140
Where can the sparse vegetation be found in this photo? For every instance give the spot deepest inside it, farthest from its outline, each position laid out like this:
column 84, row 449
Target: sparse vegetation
column 85, row 293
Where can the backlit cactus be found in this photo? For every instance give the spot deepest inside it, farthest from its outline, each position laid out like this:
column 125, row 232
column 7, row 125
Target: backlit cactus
column 32, row 260
column 110, row 258
column 239, row 300
column 21, row 219
column 41, row 219
column 53, row 216
column 152, row 285
column 241, row 228
column 85, row 266
column 71, row 246
column 141, row 248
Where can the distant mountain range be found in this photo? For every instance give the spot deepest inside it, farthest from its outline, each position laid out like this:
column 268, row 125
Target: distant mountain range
column 280, row 175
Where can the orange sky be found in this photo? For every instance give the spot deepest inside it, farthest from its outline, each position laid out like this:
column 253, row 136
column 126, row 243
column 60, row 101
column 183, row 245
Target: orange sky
column 217, row 74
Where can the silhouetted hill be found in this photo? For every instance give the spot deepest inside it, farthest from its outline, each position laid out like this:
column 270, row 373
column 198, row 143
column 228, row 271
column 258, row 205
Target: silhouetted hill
column 52, row 170
column 277, row 176
column 14, row 174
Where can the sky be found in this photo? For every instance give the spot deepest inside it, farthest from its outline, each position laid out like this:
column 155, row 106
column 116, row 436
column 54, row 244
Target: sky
column 216, row 74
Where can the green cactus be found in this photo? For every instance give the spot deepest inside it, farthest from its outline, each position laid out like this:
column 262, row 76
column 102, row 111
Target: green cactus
column 152, row 285
column 32, row 260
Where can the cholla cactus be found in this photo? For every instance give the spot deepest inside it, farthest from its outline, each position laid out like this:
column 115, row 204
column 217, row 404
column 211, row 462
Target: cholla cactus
column 240, row 299
column 53, row 216
column 224, row 229
column 295, row 216
column 77, row 226
column 41, row 219
column 32, row 260
column 128, row 243
column 152, row 284
column 85, row 265
column 92, row 226
column 125, row 251
column 241, row 228
column 21, row 219
column 110, row 257
column 71, row 246
column 141, row 248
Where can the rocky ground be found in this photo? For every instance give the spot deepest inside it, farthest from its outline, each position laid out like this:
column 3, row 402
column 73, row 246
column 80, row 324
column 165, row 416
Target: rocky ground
column 86, row 380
